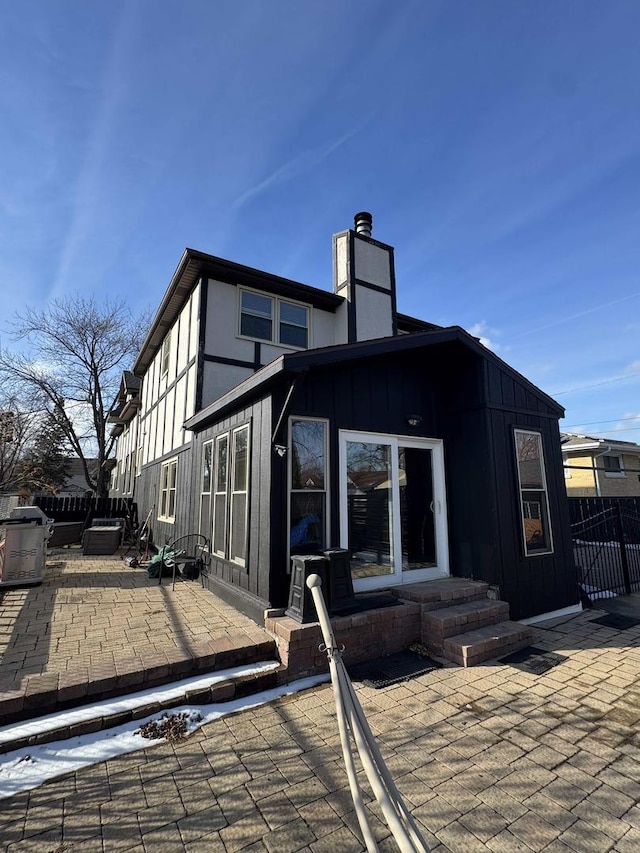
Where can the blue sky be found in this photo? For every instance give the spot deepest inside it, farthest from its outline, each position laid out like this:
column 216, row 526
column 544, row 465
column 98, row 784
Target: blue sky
column 497, row 145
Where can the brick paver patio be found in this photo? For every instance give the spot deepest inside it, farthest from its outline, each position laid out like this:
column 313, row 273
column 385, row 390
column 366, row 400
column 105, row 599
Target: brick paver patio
column 490, row 759
column 96, row 625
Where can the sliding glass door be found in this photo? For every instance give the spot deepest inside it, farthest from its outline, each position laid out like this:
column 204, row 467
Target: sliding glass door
column 393, row 509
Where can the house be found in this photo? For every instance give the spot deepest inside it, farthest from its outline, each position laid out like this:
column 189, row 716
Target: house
column 600, row 467
column 75, row 484
column 282, row 419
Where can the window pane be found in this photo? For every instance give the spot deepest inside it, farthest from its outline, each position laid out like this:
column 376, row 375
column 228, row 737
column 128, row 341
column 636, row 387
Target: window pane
column 173, row 471
column 172, row 504
column 253, row 303
column 307, row 522
column 529, row 460
column 255, row 327
column 308, row 451
column 612, row 463
column 237, row 550
column 294, row 314
column 370, row 509
column 221, row 464
column 240, row 441
column 206, row 467
column 205, row 516
column 293, row 336
column 536, row 523
column 219, row 523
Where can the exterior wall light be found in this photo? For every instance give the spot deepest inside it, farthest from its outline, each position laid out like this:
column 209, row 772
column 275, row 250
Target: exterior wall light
column 414, row 420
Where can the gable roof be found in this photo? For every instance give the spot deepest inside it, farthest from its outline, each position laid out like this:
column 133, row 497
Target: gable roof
column 302, row 361
column 194, row 265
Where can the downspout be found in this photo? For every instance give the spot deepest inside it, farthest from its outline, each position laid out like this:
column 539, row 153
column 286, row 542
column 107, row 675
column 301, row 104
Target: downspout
column 596, row 478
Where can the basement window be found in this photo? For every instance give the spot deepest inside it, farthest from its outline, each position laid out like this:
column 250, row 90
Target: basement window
column 534, row 499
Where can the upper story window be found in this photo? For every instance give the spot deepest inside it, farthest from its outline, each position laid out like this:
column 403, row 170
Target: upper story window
column 613, row 466
column 164, row 359
column 275, row 320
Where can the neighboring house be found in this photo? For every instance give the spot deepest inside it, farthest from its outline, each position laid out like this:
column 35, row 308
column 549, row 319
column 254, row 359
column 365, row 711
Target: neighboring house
column 75, row 481
column 600, row 467
column 126, row 430
column 279, row 419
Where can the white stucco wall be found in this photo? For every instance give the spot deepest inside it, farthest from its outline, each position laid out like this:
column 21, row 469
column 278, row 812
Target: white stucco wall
column 372, row 264
column 373, row 314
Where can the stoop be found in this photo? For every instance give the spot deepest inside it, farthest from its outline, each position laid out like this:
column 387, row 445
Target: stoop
column 459, row 622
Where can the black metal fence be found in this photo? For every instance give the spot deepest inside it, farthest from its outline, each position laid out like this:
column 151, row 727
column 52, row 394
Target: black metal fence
column 606, row 544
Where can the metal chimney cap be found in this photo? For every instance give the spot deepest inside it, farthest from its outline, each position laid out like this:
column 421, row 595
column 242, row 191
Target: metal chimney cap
column 363, row 222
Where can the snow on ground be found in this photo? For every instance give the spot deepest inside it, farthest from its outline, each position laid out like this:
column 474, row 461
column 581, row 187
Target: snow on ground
column 24, row 769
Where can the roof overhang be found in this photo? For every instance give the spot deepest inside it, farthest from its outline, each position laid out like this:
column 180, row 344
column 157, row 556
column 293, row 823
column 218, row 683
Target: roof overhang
column 195, row 265
column 306, row 360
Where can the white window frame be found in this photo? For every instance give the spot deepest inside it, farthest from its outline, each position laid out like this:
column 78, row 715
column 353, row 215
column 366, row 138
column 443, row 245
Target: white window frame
column 166, row 489
column 207, row 449
column 276, row 302
column 229, row 493
column 325, row 491
column 217, row 495
column 543, row 492
column 439, row 507
column 165, row 354
column 233, row 492
column 614, row 473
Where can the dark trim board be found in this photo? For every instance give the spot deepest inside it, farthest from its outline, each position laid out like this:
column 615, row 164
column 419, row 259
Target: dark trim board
column 241, row 599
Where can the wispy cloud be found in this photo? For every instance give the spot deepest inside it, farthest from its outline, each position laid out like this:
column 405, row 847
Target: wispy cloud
column 299, row 165
column 486, row 334
column 579, row 314
column 87, row 194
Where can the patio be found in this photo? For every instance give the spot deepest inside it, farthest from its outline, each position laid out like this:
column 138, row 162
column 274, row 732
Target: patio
column 96, row 627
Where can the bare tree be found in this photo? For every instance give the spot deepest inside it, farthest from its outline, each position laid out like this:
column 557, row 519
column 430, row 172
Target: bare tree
column 17, row 431
column 71, row 359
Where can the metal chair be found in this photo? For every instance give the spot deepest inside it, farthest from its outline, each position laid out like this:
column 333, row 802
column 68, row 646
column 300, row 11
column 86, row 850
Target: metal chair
column 192, row 549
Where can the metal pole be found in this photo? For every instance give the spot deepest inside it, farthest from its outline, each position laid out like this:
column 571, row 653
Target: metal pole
column 397, row 816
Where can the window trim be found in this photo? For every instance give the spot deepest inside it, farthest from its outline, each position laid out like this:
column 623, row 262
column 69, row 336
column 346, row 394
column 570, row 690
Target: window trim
column 276, row 302
column 233, row 492
column 544, row 492
column 614, row 473
column 165, row 490
column 207, row 446
column 327, row 481
column 229, row 437
column 165, row 355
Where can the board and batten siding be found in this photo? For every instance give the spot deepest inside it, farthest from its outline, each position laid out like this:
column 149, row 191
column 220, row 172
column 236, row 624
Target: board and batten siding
column 245, row 587
column 543, row 582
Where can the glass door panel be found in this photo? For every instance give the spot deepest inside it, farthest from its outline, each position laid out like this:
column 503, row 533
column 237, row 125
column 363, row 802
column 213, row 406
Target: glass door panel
column 369, row 478
column 415, row 484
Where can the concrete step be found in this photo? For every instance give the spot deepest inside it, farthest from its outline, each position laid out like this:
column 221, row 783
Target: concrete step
column 446, row 592
column 482, row 644
column 437, row 625
column 198, row 690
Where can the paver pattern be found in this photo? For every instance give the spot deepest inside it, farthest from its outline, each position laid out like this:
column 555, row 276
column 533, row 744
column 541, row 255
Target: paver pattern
column 98, row 621
column 490, row 759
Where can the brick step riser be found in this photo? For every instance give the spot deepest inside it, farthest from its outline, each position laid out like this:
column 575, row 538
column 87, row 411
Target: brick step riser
column 428, row 606
column 38, row 705
column 435, row 632
column 217, row 693
column 472, row 655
